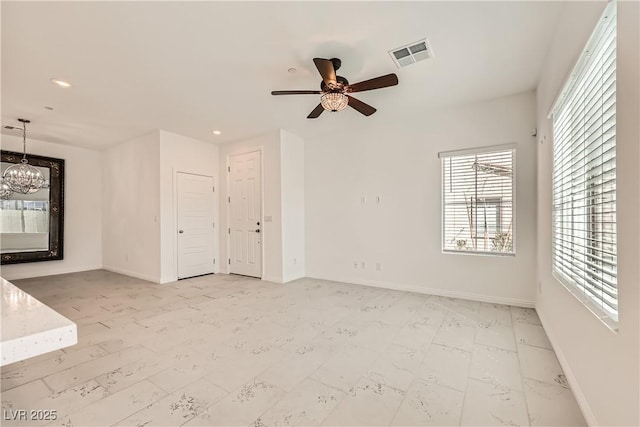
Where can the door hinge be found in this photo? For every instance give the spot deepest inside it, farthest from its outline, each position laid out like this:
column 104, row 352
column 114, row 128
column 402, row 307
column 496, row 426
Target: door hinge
column 214, row 260
column 228, row 168
column 229, row 230
column 213, row 225
column 229, row 261
column 213, row 188
column 229, row 199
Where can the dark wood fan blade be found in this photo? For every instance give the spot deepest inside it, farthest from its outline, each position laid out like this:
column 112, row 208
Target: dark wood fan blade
column 316, row 112
column 325, row 67
column 377, row 83
column 296, row 92
column 360, row 106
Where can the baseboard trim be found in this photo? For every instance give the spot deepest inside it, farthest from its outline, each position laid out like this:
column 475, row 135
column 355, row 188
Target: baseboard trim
column 273, row 279
column 581, row 399
column 132, row 274
column 292, row 278
column 431, row 291
column 52, row 272
column 164, row 280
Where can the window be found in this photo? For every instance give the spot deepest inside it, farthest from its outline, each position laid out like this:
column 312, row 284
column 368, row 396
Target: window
column 584, row 175
column 477, row 198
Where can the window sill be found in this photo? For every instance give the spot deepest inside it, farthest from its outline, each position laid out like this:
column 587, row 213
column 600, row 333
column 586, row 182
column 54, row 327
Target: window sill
column 481, row 253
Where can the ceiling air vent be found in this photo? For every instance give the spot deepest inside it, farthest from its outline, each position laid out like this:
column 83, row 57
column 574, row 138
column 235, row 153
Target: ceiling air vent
column 411, row 53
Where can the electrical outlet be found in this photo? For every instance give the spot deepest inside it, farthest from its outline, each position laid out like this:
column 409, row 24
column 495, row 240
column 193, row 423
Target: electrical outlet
column 295, row 261
column 363, row 200
column 540, row 287
column 378, row 199
column 362, row 264
column 355, row 264
column 378, row 266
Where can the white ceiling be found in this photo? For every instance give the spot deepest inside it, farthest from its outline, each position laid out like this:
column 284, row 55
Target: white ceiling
column 193, row 67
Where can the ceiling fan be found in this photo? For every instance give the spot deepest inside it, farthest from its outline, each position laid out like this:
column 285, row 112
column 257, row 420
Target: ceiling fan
column 335, row 89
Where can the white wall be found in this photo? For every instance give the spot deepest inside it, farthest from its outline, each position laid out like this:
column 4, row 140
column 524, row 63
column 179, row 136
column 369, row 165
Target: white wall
column 182, row 154
column 82, row 210
column 269, row 143
column 602, row 366
column 398, row 161
column 293, row 213
column 131, row 208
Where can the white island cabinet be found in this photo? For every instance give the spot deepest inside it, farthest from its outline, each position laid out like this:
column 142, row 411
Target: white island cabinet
column 30, row 328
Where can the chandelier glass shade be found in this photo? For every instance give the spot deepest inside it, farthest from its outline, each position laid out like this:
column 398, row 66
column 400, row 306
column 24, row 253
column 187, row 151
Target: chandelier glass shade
column 334, row 101
column 22, row 177
column 5, row 190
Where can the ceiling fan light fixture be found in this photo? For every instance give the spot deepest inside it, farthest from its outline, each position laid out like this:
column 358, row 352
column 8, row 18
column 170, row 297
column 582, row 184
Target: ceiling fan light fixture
column 334, row 101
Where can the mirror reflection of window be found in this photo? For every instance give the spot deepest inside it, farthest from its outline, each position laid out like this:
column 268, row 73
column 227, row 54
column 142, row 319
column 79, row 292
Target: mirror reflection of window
column 24, row 219
column 24, row 216
column 35, row 214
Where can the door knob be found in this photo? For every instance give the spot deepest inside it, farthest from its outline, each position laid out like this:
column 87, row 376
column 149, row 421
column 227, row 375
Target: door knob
column 258, row 223
column 257, row 230
column 180, row 231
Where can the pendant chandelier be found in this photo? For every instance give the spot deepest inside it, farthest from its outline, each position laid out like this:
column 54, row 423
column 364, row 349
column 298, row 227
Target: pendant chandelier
column 22, row 177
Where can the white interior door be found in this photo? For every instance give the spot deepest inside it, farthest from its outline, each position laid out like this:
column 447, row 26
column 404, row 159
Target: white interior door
column 195, row 225
column 245, row 212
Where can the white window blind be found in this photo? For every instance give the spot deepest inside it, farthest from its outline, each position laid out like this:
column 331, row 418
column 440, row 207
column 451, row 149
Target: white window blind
column 584, row 174
column 477, row 198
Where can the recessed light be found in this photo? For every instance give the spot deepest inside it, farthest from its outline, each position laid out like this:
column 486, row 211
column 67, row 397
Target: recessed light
column 61, row 83
column 216, row 132
column 292, row 70
column 48, row 108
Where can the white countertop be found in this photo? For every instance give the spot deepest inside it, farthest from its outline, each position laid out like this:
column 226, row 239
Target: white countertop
column 30, row 328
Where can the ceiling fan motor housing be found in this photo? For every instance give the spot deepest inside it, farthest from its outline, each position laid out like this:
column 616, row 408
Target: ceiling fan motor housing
column 339, row 88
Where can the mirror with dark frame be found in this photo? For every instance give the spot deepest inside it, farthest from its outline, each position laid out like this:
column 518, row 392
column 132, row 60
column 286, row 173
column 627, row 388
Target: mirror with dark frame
column 32, row 225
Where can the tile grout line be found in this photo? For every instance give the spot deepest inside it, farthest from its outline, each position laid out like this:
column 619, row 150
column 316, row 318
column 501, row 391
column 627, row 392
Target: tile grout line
column 464, row 398
column 524, row 394
column 415, row 378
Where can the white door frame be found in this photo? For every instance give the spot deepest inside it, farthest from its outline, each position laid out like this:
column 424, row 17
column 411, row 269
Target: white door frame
column 216, row 268
column 264, row 235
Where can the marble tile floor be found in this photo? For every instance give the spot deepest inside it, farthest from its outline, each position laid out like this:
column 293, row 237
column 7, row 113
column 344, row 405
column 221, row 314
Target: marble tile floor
column 230, row 350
